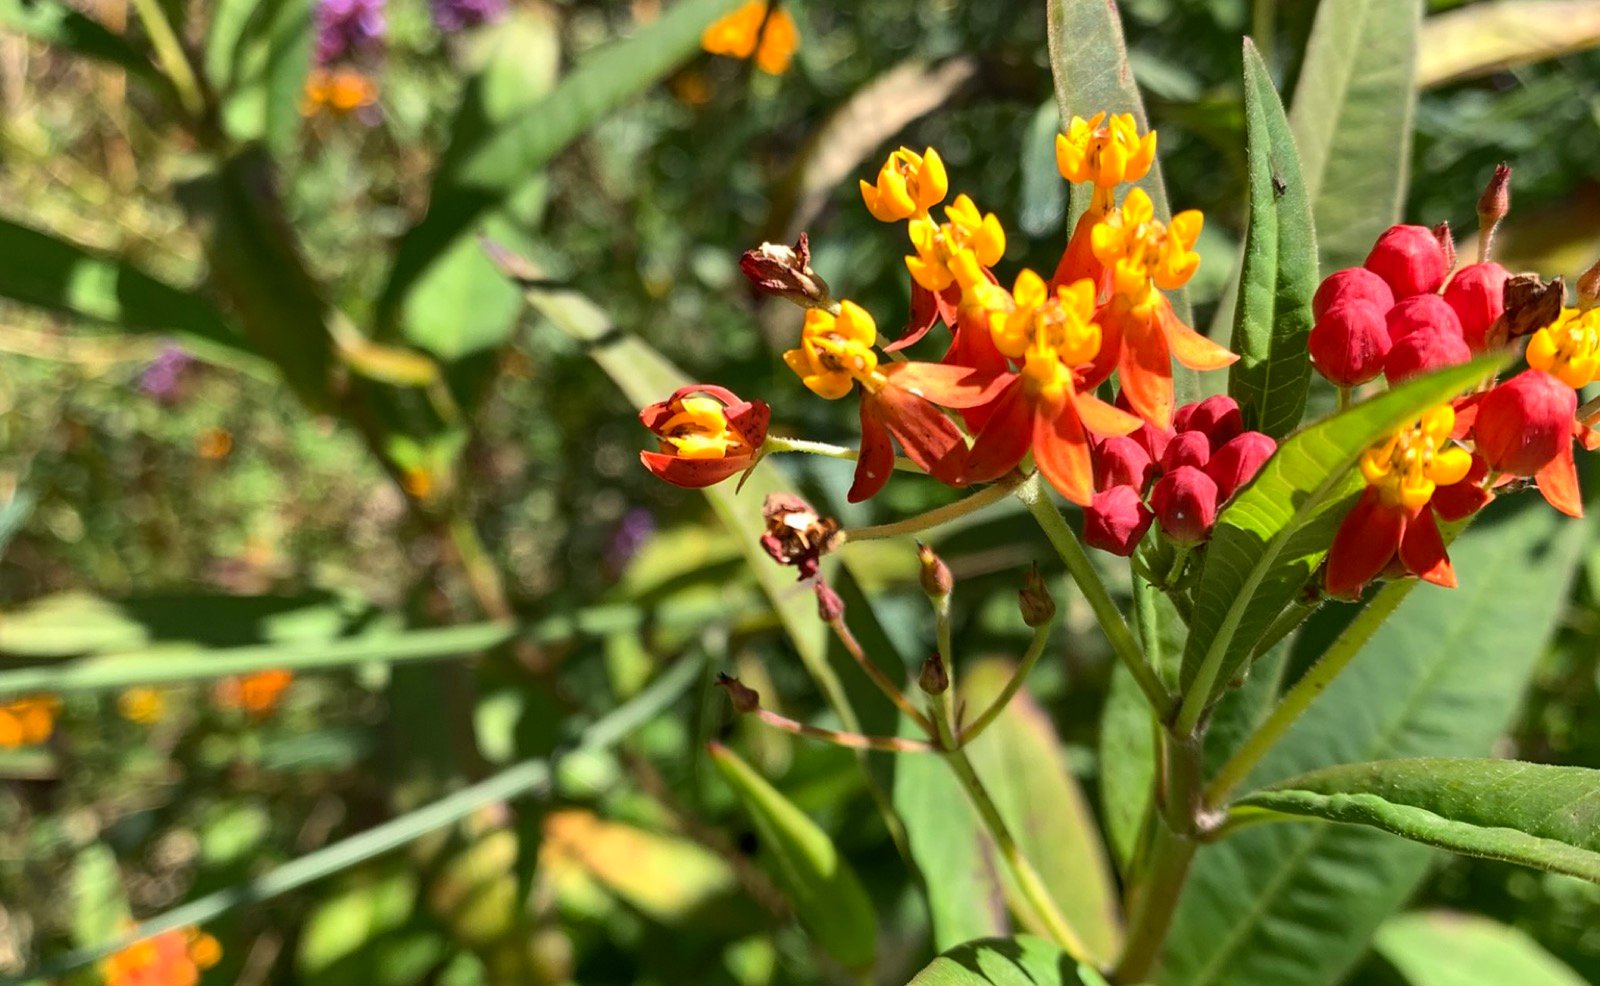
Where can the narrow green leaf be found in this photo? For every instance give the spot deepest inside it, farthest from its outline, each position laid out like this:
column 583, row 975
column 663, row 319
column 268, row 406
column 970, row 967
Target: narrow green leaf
column 1272, row 316
column 1271, row 538
column 1019, row 757
column 828, row 897
column 1442, row 677
column 1535, row 814
column 476, row 178
column 1127, row 763
column 1441, row 948
column 56, row 23
column 1043, row 195
column 1352, row 120
column 1020, row 961
column 287, row 40
column 38, row 268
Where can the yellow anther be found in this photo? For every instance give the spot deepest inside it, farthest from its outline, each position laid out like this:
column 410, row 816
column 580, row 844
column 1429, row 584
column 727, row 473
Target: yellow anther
column 836, row 350
column 1568, row 348
column 1144, row 253
column 955, row 251
column 700, row 431
column 1409, row 465
column 1104, row 152
column 1050, row 331
column 908, row 184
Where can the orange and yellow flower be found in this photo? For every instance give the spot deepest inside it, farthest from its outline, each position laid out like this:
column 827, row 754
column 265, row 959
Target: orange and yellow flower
column 955, row 251
column 1105, row 151
column 172, row 958
column 340, row 90
column 908, row 184
column 771, row 38
column 28, row 721
column 706, row 434
column 1568, row 348
column 1144, row 257
column 257, row 693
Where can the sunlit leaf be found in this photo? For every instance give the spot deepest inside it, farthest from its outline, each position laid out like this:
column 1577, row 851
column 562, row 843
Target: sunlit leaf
column 1442, row 948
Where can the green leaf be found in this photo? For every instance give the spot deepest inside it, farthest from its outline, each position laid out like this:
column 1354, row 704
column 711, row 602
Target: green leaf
column 1270, row 539
column 1297, row 903
column 460, row 304
column 43, row 270
column 1278, row 276
column 1043, row 195
column 56, row 23
column 1020, row 961
column 1352, row 120
column 1535, row 814
column 347, row 921
column 827, row 896
column 1440, row 948
column 99, row 906
column 479, row 177
column 1020, row 758
column 1089, row 64
column 1127, row 763
column 257, row 56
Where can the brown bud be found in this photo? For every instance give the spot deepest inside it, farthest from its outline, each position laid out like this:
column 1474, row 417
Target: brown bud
column 1447, row 243
column 1589, row 287
column 829, row 606
column 1038, row 609
column 1531, row 304
column 796, row 534
column 785, row 272
column 935, row 678
column 743, row 698
column 1495, row 202
column 936, row 578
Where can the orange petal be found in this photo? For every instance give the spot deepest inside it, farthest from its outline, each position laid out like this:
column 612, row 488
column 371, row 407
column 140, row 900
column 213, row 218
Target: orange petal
column 1078, row 260
column 876, row 460
column 1366, row 542
column 1145, row 367
column 930, row 439
column 1104, row 419
column 1558, row 481
column 1004, row 438
column 1188, row 346
column 749, row 420
column 948, row 386
column 693, row 474
column 1061, row 451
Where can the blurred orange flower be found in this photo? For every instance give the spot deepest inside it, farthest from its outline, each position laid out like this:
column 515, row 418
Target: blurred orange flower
column 751, row 30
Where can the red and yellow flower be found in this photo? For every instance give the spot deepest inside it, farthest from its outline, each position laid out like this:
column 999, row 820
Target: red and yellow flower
column 1411, row 476
column 909, row 184
column 1145, row 257
column 1103, row 151
column 172, row 958
column 706, row 434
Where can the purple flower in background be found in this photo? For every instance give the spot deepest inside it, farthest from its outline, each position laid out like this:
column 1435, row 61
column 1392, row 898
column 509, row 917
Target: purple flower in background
column 348, row 28
column 161, row 378
column 458, row 15
column 633, row 530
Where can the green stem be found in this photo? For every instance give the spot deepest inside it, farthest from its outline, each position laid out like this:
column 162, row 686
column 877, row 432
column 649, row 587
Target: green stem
column 1029, row 883
column 944, row 640
column 170, row 53
column 889, row 688
column 1311, row 684
column 1263, row 15
column 1147, row 621
column 778, row 444
column 853, row 741
column 1344, row 399
column 1056, row 529
column 1281, row 627
column 935, row 517
column 1041, row 636
column 1155, row 905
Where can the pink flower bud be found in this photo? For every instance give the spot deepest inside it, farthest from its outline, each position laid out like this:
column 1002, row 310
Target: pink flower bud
column 1237, row 462
column 1185, row 502
column 1524, row 423
column 1217, row 417
column 1349, row 342
column 1420, row 352
column 1116, row 520
column 1421, row 313
column 1122, row 462
column 1351, row 284
column 1477, row 295
column 1409, row 260
column 1187, row 448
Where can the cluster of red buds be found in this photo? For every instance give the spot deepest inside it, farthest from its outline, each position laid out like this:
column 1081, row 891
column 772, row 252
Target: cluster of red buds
column 1179, row 477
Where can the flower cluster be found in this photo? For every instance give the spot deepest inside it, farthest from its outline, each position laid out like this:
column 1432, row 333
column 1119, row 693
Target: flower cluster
column 172, row 958
column 756, row 30
column 1019, row 375
column 28, row 721
column 1179, row 477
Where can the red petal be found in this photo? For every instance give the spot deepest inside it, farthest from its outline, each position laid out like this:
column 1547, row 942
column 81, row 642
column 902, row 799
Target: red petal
column 1188, row 346
column 876, row 460
column 1367, row 540
column 948, row 386
column 930, row 439
column 1558, row 481
column 1078, row 260
column 693, row 474
column 1061, row 451
column 1422, row 551
column 1466, row 409
column 749, row 421
column 924, row 312
column 1005, row 437
column 973, row 344
column 1460, row 500
column 1146, row 369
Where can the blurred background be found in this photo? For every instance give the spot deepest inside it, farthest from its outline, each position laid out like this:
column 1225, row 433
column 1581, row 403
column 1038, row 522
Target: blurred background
column 163, row 493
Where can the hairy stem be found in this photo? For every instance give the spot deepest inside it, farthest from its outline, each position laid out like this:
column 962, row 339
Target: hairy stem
column 935, row 517
column 854, row 741
column 778, row 444
column 1177, row 830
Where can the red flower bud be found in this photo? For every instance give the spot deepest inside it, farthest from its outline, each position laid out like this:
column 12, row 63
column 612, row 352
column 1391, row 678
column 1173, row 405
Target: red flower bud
column 1187, row 448
column 1122, row 462
column 1116, row 520
column 1148, row 435
column 1524, row 423
column 1421, row 313
column 1185, row 502
column 1477, row 295
column 1351, row 284
column 1349, row 342
column 1237, row 462
column 1409, row 260
column 1217, row 417
column 1422, row 351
